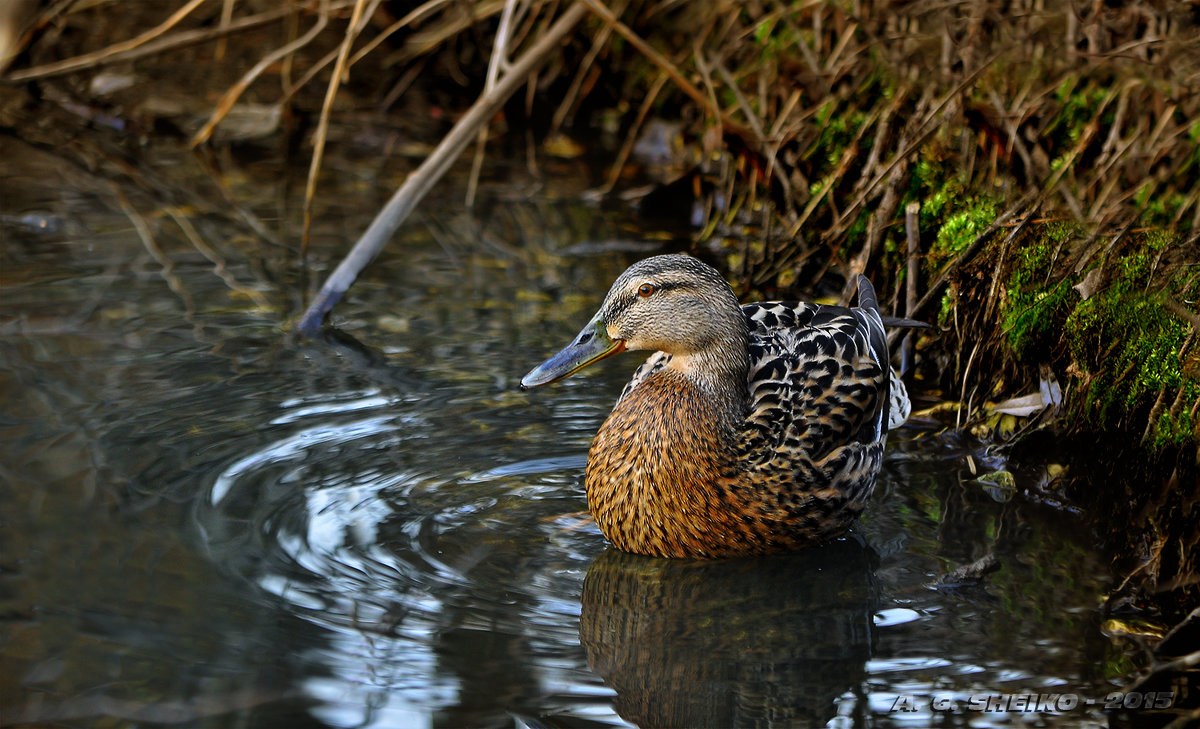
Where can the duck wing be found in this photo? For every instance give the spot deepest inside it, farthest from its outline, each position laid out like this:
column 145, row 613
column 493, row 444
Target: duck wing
column 819, row 380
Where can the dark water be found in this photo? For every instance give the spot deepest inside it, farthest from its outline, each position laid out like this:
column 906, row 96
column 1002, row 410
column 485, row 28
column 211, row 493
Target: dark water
column 206, row 522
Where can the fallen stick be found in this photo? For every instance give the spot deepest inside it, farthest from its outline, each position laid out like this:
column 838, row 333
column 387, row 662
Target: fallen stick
column 431, row 170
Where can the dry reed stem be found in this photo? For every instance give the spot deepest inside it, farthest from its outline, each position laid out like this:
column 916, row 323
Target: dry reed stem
column 357, row 19
column 665, row 65
column 705, row 75
column 843, row 165
column 572, row 96
column 329, row 58
column 123, row 46
column 47, row 16
column 235, row 92
column 913, row 254
column 498, row 63
column 226, row 17
column 414, row 16
column 422, row 43
column 112, row 54
column 877, row 223
column 614, row 172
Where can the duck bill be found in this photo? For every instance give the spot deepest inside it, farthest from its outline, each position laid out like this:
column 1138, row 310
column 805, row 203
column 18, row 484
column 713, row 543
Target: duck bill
column 592, row 345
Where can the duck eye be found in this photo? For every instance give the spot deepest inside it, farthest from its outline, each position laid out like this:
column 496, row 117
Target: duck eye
column 645, row 289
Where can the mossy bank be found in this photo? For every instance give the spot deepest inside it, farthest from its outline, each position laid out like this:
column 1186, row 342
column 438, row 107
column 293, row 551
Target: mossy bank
column 1109, row 316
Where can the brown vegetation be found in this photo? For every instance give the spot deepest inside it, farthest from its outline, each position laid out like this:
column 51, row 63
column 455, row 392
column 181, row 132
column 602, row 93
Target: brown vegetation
column 1047, row 153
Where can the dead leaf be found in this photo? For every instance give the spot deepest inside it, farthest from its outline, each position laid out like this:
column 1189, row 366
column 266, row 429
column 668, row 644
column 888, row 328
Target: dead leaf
column 1022, row 407
column 1090, row 283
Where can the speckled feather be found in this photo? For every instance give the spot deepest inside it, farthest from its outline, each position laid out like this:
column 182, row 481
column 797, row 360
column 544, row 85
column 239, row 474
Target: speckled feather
column 799, row 471
column 752, row 429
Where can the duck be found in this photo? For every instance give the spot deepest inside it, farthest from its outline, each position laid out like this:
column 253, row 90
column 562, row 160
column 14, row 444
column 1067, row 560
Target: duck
column 751, row 429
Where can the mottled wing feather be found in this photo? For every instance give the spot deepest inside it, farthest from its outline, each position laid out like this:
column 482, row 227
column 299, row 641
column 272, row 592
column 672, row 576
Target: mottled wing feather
column 653, row 363
column 815, row 382
column 899, row 406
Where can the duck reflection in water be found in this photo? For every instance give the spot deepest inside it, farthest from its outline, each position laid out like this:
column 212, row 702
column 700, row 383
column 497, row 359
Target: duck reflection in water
column 756, row 641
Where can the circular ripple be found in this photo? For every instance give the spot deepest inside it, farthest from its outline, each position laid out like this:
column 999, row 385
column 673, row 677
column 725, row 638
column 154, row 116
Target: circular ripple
column 354, row 519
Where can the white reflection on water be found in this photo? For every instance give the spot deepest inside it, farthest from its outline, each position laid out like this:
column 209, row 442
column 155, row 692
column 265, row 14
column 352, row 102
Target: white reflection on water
column 362, row 547
column 289, row 448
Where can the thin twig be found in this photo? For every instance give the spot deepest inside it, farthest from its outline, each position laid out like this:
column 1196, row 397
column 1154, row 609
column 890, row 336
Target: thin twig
column 414, row 16
column 587, row 66
column 913, row 249
column 125, row 46
column 666, row 66
column 880, row 220
column 234, row 93
column 226, row 17
column 614, row 172
column 421, row 43
column 497, row 64
column 112, row 54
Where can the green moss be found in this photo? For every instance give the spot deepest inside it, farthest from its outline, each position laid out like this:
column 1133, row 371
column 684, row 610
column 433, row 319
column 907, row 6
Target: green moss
column 1033, row 319
column 838, row 129
column 946, row 206
column 949, row 301
column 937, row 184
column 960, row 229
column 1077, row 107
column 764, row 32
column 1033, row 314
column 1180, row 428
column 1123, row 339
column 1061, row 231
column 1159, row 208
column 858, row 229
column 1131, row 346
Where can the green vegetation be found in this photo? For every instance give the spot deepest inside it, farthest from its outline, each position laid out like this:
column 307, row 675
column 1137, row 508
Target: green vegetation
column 961, row 227
column 1134, row 362
column 1131, row 347
column 1036, row 303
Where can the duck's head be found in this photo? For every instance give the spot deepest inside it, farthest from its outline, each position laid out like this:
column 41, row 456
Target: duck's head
column 674, row 304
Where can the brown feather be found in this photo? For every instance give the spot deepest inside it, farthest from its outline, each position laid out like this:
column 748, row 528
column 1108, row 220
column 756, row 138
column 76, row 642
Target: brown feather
column 664, row 479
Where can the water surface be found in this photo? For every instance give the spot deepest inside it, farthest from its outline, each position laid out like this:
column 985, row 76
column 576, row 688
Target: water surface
column 209, row 522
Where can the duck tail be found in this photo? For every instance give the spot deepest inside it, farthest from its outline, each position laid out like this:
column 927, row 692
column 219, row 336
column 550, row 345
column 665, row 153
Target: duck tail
column 866, row 294
column 872, row 326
